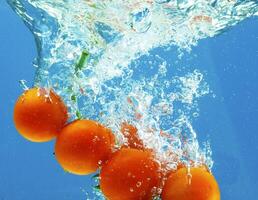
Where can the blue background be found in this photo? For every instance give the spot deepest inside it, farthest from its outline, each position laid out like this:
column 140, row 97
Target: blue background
column 229, row 61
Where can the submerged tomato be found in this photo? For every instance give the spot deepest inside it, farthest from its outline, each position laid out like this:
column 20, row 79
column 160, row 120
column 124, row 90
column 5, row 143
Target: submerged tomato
column 130, row 133
column 83, row 146
column 130, row 174
column 192, row 184
column 39, row 114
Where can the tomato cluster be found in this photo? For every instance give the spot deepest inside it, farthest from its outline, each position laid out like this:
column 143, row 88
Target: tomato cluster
column 84, row 146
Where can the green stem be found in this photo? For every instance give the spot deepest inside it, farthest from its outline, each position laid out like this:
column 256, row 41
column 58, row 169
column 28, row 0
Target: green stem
column 83, row 58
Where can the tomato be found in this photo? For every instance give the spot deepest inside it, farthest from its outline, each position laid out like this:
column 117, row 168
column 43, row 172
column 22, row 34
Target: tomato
column 130, row 174
column 83, row 145
column 191, row 184
column 130, row 133
column 39, row 114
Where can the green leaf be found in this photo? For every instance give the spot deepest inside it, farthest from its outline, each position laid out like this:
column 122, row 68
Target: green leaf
column 97, row 187
column 96, row 176
column 73, row 98
column 78, row 114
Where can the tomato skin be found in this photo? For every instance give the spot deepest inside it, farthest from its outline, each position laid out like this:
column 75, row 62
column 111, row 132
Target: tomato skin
column 39, row 115
column 83, row 146
column 130, row 133
column 193, row 184
column 130, row 174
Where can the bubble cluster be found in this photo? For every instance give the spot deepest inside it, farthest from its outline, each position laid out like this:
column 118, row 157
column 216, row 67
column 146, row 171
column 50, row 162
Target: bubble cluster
column 114, row 84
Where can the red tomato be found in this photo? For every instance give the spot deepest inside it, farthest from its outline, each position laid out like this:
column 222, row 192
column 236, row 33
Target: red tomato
column 130, row 174
column 83, row 146
column 39, row 115
column 130, row 133
column 192, row 184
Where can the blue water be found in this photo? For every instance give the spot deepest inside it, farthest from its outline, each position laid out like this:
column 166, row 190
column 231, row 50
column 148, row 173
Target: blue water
column 229, row 61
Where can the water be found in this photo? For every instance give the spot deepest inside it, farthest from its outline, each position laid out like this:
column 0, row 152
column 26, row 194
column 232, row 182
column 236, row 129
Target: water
column 139, row 53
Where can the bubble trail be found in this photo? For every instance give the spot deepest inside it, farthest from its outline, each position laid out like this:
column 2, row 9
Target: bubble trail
column 112, row 83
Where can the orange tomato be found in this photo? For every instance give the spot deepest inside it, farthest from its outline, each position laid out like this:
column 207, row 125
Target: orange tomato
column 193, row 184
column 82, row 146
column 39, row 114
column 130, row 174
column 130, row 133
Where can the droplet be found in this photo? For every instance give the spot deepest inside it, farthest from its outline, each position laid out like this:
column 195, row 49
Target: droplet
column 138, row 184
column 23, row 84
column 162, row 1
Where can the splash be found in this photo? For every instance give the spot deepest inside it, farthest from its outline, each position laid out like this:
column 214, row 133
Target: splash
column 123, row 78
